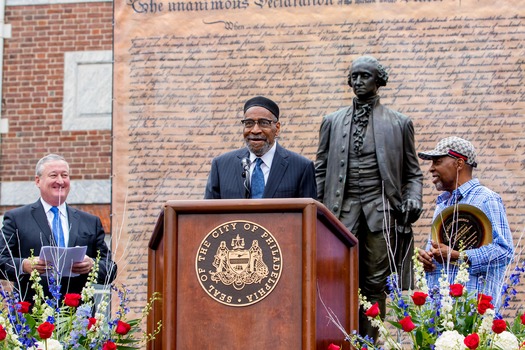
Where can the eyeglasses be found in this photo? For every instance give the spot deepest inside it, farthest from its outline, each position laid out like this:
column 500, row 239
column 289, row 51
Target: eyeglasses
column 263, row 123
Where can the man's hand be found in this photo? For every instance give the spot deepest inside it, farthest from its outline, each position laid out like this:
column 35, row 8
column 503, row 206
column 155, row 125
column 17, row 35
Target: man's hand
column 84, row 266
column 426, row 259
column 442, row 252
column 30, row 264
column 411, row 209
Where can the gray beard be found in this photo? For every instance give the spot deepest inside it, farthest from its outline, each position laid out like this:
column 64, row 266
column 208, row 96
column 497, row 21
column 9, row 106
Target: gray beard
column 260, row 152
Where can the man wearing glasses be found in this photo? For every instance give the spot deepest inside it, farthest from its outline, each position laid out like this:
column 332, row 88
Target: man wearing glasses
column 263, row 169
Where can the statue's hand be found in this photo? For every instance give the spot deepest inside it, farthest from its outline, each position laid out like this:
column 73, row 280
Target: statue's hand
column 411, row 210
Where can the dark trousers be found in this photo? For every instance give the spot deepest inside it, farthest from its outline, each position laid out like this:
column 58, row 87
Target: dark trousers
column 374, row 269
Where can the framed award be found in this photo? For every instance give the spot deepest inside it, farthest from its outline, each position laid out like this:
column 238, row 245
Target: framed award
column 462, row 227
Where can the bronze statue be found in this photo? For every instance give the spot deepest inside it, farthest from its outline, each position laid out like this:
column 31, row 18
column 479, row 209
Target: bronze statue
column 368, row 175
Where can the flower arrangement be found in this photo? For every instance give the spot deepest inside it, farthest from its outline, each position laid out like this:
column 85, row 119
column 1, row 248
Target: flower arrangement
column 71, row 322
column 447, row 317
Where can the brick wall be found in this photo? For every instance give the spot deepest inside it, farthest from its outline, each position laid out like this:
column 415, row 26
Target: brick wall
column 33, row 88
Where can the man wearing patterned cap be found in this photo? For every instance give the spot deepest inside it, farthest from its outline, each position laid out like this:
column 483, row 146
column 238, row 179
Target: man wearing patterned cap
column 453, row 161
column 368, row 175
column 262, row 169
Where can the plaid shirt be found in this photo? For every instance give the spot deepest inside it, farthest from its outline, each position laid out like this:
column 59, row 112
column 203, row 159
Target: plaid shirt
column 487, row 263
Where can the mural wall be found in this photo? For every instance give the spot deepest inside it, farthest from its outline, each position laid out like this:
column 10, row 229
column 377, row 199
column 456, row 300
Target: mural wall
column 183, row 70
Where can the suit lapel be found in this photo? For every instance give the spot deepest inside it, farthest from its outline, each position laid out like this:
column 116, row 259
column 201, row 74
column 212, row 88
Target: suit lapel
column 73, row 219
column 383, row 131
column 279, row 165
column 39, row 215
column 379, row 125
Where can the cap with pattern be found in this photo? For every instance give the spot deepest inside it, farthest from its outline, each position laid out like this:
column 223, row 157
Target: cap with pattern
column 455, row 147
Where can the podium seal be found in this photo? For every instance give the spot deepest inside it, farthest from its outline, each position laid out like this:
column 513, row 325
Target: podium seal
column 462, row 227
column 238, row 263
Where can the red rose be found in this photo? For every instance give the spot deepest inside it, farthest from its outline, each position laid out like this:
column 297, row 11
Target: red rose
column 419, row 298
column 45, row 330
column 407, row 324
column 72, row 299
column 91, row 322
column 109, row 345
column 484, row 298
column 484, row 306
column 498, row 326
column 333, row 347
column 122, row 328
column 23, row 306
column 484, row 303
column 456, row 290
column 523, row 319
column 3, row 333
column 471, row 341
column 373, row 311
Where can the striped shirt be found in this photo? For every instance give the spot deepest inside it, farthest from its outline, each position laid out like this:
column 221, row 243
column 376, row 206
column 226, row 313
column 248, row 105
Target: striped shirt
column 489, row 262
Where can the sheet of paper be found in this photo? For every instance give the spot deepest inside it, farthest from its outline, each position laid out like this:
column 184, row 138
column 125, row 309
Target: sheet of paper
column 63, row 258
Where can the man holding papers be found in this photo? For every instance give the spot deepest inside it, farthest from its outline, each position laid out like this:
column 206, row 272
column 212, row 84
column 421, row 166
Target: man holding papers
column 49, row 222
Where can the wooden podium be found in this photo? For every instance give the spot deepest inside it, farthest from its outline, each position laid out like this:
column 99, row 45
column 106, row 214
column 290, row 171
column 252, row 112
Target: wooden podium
column 249, row 274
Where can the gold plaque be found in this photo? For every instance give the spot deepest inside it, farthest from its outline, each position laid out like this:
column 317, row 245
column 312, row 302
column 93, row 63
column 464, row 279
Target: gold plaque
column 462, row 226
column 239, row 263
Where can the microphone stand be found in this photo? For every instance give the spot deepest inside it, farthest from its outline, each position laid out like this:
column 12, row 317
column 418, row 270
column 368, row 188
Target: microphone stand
column 246, row 176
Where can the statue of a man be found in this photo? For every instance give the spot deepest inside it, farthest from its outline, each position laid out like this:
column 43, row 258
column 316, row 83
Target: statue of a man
column 368, row 175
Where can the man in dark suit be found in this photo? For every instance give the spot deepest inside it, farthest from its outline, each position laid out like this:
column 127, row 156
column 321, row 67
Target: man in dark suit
column 36, row 225
column 368, row 175
column 263, row 169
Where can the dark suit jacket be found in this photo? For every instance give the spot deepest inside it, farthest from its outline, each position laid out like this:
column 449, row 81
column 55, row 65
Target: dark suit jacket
column 27, row 228
column 395, row 152
column 291, row 176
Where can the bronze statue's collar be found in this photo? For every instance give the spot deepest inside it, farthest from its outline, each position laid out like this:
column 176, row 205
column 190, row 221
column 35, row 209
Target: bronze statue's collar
column 372, row 101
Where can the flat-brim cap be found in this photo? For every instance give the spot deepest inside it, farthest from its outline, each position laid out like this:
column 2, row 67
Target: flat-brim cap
column 264, row 102
column 455, row 147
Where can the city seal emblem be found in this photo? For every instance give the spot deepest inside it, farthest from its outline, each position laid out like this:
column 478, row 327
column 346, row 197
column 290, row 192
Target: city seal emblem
column 239, row 263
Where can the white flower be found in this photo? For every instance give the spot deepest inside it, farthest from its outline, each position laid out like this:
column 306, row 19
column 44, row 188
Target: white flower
column 363, row 301
column 52, row 344
column 447, row 306
column 375, row 322
column 390, row 344
column 88, row 292
column 486, row 323
column 507, row 341
column 446, row 311
column 48, row 311
column 446, row 302
column 420, row 280
column 450, row 340
column 12, row 339
column 463, row 275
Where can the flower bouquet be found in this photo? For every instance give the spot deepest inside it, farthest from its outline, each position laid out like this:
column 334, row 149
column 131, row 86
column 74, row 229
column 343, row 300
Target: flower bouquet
column 71, row 322
column 447, row 317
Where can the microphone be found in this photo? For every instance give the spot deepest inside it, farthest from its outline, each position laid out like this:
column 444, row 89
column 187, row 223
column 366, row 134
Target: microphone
column 245, row 166
column 246, row 175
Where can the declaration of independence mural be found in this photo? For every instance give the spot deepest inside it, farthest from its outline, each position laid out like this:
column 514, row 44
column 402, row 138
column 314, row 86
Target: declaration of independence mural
column 183, row 70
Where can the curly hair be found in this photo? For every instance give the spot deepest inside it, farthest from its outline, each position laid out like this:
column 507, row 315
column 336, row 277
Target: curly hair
column 382, row 75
